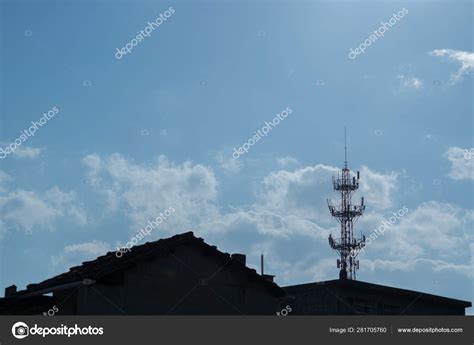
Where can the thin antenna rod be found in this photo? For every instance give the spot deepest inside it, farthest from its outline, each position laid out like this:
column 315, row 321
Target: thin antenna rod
column 261, row 264
column 345, row 148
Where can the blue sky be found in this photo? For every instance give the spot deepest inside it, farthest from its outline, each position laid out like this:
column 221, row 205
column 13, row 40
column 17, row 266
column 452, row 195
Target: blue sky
column 157, row 128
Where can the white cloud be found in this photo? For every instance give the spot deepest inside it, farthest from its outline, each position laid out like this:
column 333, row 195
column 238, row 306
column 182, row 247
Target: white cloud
column 287, row 161
column 304, row 191
column 289, row 220
column 147, row 190
column 441, row 232
column 75, row 254
column 289, row 202
column 265, row 222
column 27, row 152
column 93, row 177
column 378, row 189
column 418, row 264
column 227, row 162
column 24, row 152
column 436, row 226
column 410, row 82
column 93, row 163
column 4, row 178
column 466, row 59
column 26, row 210
column 462, row 164
column 301, row 192
column 435, row 229
column 324, row 269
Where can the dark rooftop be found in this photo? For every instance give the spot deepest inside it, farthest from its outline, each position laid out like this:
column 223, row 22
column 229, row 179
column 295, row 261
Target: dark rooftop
column 368, row 287
column 109, row 263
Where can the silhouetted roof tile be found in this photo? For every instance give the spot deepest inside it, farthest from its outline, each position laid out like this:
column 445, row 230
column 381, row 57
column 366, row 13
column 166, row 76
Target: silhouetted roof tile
column 109, row 263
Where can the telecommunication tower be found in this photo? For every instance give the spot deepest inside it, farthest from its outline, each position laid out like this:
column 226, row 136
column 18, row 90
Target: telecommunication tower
column 346, row 214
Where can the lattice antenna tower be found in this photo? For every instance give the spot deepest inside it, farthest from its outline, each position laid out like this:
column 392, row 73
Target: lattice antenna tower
column 347, row 214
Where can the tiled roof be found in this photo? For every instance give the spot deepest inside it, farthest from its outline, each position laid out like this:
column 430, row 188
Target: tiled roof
column 109, row 263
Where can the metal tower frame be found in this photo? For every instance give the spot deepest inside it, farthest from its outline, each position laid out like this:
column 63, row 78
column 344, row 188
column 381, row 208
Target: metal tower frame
column 346, row 214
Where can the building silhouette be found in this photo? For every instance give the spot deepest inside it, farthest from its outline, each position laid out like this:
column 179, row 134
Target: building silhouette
column 177, row 275
column 353, row 297
column 182, row 275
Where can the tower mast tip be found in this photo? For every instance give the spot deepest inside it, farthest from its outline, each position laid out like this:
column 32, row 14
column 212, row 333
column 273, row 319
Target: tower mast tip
column 345, row 148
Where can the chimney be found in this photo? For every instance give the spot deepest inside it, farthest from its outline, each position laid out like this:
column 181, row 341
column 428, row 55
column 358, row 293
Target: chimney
column 10, row 290
column 240, row 258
